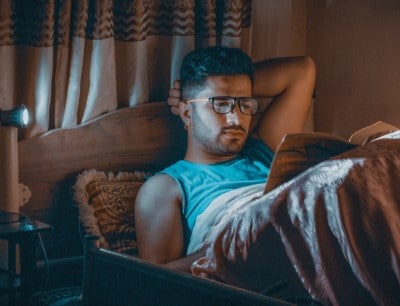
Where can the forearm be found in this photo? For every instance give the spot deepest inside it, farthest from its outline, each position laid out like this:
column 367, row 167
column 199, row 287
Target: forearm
column 291, row 82
column 184, row 264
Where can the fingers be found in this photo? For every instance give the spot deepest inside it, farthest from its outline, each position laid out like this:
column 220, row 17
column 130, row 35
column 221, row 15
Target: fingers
column 174, row 97
column 177, row 84
column 174, row 94
column 175, row 110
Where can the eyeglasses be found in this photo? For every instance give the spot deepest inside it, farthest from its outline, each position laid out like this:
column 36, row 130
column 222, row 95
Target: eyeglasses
column 226, row 104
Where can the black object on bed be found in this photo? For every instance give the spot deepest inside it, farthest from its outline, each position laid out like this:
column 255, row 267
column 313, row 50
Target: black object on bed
column 112, row 278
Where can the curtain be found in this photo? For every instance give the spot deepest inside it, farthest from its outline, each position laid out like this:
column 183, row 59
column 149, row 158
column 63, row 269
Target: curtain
column 69, row 61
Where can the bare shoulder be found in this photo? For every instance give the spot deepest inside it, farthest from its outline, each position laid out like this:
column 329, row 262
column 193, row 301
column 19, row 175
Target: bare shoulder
column 160, row 188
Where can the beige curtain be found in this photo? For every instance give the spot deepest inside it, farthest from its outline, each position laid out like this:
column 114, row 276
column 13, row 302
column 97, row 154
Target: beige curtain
column 72, row 60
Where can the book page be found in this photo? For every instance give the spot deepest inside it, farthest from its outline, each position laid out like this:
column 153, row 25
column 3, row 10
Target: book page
column 372, row 131
column 392, row 135
column 300, row 151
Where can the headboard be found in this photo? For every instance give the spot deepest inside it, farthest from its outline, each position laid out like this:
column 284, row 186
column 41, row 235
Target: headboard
column 144, row 137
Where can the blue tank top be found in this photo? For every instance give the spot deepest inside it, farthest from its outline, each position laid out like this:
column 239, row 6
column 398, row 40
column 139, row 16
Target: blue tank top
column 201, row 183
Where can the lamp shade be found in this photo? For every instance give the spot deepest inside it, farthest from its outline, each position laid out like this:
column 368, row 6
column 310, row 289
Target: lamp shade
column 18, row 117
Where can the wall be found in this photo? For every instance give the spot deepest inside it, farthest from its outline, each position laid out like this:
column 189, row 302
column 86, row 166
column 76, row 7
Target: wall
column 278, row 28
column 356, row 46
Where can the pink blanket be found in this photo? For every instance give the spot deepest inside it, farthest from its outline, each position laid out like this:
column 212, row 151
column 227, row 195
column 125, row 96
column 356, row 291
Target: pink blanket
column 335, row 230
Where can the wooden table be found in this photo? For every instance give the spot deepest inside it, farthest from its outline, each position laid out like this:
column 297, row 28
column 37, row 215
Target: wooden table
column 17, row 229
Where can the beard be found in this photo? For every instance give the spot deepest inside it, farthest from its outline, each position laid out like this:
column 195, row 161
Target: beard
column 217, row 142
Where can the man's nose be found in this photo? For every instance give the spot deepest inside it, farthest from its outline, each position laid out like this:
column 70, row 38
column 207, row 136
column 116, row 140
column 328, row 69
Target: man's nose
column 234, row 115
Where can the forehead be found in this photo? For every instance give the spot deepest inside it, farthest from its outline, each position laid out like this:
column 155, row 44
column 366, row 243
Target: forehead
column 227, row 85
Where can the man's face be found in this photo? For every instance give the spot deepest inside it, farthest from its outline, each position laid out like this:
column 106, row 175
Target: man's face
column 220, row 134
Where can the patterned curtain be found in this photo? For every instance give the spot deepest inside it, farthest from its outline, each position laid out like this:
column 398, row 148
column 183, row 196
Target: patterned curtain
column 72, row 60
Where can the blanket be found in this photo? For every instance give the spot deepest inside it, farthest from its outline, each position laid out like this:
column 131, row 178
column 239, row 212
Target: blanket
column 336, row 227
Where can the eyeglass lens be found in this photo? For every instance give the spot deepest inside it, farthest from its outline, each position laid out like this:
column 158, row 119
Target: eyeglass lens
column 224, row 105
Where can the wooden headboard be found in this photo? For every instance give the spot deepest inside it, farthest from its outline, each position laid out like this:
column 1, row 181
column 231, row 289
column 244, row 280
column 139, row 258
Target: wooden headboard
column 144, row 137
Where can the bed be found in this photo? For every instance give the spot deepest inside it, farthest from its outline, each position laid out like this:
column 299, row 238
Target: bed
column 50, row 166
column 332, row 232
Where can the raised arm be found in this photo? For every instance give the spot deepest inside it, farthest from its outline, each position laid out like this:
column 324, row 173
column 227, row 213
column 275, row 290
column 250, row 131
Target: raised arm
column 158, row 220
column 291, row 81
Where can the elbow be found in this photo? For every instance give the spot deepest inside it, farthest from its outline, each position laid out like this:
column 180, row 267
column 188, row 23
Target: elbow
column 308, row 68
column 306, row 75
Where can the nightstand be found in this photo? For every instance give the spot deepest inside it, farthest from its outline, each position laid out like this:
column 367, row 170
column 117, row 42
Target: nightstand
column 17, row 229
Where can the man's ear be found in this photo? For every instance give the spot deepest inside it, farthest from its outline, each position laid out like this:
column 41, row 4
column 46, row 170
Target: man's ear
column 185, row 112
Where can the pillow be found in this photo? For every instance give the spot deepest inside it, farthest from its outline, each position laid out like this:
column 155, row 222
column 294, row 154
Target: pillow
column 106, row 202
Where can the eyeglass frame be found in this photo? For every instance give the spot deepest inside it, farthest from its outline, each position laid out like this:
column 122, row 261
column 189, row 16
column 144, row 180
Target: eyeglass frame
column 233, row 100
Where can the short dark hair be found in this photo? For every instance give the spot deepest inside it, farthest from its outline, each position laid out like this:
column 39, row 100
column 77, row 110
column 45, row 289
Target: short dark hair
column 202, row 63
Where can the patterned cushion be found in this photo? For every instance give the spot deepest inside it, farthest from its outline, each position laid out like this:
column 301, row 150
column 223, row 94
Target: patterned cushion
column 106, row 207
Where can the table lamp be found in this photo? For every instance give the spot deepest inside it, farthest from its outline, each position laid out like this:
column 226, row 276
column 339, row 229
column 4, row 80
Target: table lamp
column 10, row 121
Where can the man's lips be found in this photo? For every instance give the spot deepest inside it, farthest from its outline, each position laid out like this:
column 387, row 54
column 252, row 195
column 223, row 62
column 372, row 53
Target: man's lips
column 234, row 131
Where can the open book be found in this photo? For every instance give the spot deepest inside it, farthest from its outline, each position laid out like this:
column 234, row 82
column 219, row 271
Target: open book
column 300, row 151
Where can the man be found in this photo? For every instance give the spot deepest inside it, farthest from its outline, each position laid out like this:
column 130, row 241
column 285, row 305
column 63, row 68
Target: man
column 218, row 86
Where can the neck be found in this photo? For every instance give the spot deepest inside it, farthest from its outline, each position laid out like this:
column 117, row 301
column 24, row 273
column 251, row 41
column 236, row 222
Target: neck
column 200, row 156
